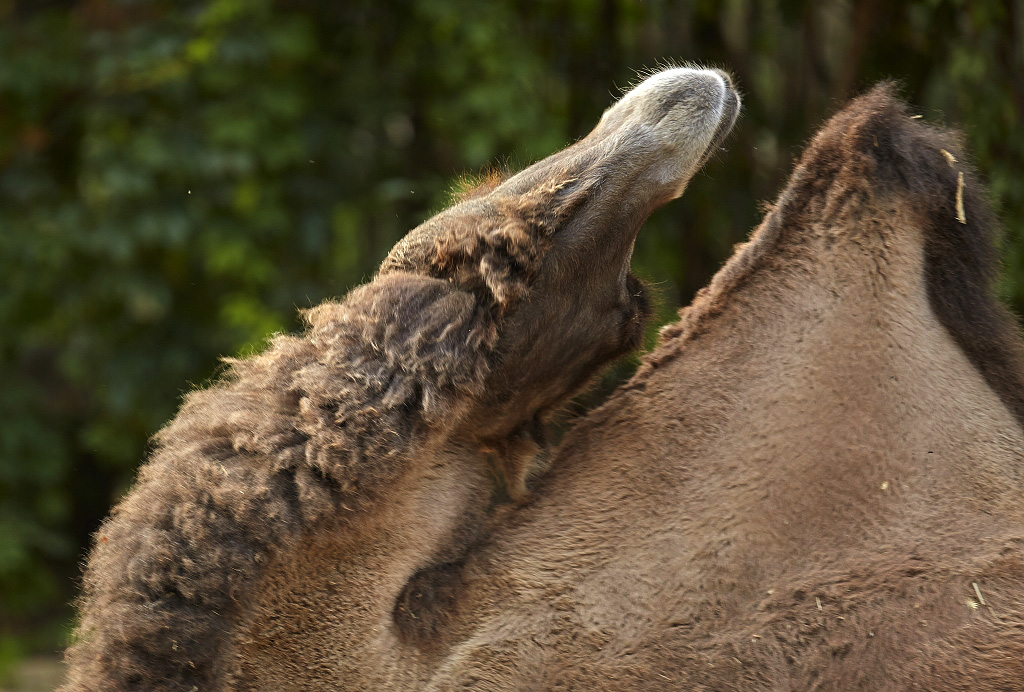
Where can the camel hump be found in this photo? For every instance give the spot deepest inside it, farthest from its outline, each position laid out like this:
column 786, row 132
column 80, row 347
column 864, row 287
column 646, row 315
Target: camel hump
column 877, row 145
column 876, row 151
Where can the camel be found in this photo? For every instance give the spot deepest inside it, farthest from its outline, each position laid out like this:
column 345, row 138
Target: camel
column 376, row 439
column 813, row 483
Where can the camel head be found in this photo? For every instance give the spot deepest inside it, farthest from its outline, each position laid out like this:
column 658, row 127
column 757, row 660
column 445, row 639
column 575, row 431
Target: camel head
column 547, row 251
column 347, row 457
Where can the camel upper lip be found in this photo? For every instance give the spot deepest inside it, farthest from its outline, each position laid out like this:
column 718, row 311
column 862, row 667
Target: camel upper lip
column 730, row 112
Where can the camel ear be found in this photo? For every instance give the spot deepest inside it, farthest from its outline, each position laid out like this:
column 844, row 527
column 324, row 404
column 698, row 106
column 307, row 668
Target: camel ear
column 509, row 261
column 492, row 249
column 500, row 259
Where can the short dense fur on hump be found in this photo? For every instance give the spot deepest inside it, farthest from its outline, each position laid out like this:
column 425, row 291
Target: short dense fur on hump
column 876, row 144
column 875, row 147
column 376, row 432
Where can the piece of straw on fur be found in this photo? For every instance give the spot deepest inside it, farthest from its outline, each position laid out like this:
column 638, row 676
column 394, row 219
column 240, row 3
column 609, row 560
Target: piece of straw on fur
column 960, row 215
column 981, row 599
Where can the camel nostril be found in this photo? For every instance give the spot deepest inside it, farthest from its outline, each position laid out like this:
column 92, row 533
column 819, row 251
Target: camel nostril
column 690, row 93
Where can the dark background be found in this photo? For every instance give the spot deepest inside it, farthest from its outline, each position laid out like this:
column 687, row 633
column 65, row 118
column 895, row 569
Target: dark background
column 178, row 176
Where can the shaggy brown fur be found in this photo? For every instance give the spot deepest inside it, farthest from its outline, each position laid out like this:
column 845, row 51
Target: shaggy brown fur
column 364, row 439
column 814, row 484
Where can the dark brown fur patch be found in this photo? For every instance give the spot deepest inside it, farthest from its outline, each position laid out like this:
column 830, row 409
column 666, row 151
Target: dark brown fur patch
column 426, row 604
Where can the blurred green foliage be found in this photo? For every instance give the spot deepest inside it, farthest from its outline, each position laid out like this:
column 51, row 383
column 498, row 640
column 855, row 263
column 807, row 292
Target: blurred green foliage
column 178, row 176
